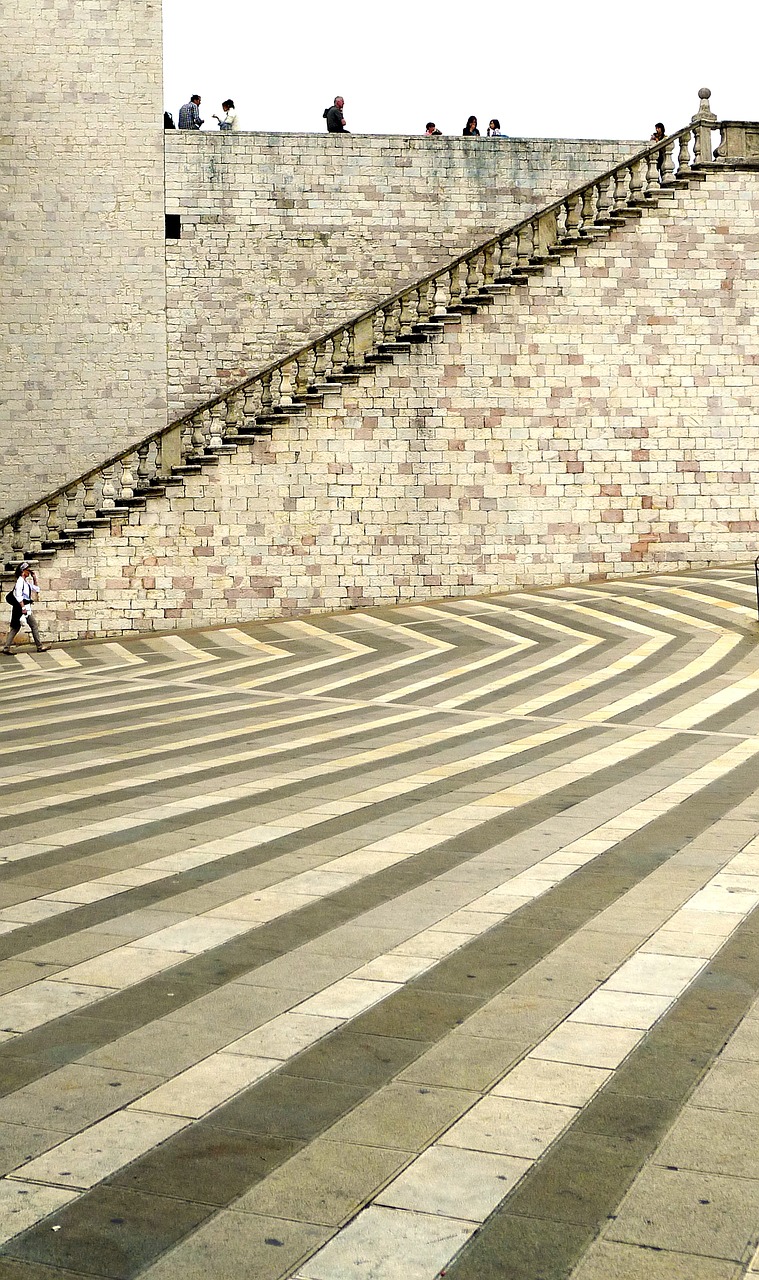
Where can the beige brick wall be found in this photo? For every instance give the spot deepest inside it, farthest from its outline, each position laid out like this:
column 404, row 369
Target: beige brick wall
column 600, row 420
column 82, row 325
column 285, row 236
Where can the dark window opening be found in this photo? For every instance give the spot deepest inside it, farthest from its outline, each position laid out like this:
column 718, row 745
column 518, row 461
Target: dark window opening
column 173, row 226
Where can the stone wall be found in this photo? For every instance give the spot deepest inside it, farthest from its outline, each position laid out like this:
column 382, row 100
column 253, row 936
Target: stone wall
column 599, row 420
column 82, row 325
column 284, row 236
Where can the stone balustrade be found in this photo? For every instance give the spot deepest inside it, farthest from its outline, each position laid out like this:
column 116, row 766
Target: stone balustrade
column 108, row 491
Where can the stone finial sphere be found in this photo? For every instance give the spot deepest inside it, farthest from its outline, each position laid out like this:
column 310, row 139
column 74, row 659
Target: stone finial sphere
column 704, row 93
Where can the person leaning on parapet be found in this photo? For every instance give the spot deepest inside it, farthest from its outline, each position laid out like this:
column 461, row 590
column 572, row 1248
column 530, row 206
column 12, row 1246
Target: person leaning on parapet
column 21, row 598
column 334, row 116
column 658, row 134
column 432, row 130
column 189, row 115
column 470, row 128
column 229, row 120
column 494, row 128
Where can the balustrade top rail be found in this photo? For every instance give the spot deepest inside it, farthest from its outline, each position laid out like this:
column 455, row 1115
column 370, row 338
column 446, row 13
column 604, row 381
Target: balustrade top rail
column 283, row 386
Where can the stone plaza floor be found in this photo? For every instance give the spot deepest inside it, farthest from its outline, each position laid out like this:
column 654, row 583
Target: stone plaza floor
column 387, row 945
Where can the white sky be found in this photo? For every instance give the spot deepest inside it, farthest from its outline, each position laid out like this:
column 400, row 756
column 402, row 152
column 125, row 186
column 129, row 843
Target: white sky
column 550, row 69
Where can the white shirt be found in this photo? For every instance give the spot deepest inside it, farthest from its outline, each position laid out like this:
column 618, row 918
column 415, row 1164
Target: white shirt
column 228, row 121
column 24, row 591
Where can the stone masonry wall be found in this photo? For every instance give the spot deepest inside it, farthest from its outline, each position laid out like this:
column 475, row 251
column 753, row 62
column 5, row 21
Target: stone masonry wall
column 599, row 420
column 82, row 325
column 285, row 236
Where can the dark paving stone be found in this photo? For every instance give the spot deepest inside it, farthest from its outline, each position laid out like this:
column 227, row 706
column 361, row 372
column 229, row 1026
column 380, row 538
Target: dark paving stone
column 110, row 1233
column 629, row 1117
column 285, row 1106
column 660, row 1071
column 207, row 1165
column 519, row 1248
column 363, row 1060
column 416, row 1014
column 590, row 1172
column 13, row 1270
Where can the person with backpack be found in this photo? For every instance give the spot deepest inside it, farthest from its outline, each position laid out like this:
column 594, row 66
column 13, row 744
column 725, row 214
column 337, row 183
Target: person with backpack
column 21, row 598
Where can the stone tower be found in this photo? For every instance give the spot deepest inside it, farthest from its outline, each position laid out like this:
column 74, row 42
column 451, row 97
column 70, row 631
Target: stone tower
column 83, row 323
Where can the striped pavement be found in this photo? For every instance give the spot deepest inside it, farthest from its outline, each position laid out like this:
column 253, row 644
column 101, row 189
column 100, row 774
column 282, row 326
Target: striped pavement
column 387, row 945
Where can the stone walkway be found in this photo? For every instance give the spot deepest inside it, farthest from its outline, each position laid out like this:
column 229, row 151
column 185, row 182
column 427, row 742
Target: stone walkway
column 387, row 945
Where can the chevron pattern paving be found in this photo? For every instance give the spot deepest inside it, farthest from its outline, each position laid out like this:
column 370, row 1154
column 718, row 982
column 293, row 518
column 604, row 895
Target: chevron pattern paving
column 387, row 945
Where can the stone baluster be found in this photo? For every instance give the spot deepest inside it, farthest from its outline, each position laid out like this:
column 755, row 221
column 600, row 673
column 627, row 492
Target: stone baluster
column 474, row 275
column 683, row 155
column 18, row 541
column 408, row 313
column 252, row 401
column 524, row 245
column 267, row 396
column 506, row 258
column 426, row 302
column 637, row 175
column 53, row 519
column 109, row 489
column 128, row 463
column 572, row 218
column 442, row 293
column 287, row 374
column 488, row 264
column 217, row 428
column 323, row 361
column 90, row 499
column 620, row 190
column 653, row 177
column 457, row 282
column 666, row 167
column 393, row 326
column 145, row 468
column 235, row 416
column 603, row 201
column 588, row 207
column 7, row 551
column 306, row 363
column 275, row 385
column 74, row 505
column 33, row 521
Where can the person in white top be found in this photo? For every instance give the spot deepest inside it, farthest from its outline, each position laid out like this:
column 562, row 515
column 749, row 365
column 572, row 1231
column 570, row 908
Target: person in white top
column 23, row 596
column 229, row 119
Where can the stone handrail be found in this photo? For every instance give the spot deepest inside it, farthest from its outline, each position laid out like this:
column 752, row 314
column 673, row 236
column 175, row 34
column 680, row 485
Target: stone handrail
column 412, row 314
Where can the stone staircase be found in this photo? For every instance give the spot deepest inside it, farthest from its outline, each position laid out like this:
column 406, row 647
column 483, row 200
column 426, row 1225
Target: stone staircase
column 162, row 461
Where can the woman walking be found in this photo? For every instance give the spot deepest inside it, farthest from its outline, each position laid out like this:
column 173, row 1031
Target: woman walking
column 22, row 597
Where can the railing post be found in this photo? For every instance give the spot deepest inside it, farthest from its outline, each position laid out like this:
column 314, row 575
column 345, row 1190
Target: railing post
column 703, row 122
column 363, row 339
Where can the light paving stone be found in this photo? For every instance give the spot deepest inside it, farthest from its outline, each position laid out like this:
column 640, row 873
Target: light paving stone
column 540, row 1080
column 388, row 1244
column 346, row 998
column 652, row 974
column 611, row 1008
column 206, row 1085
column 228, row 1244
column 120, row 968
column 89, row 1157
column 608, row 1261
column 284, row 1036
column 587, row 1044
column 23, row 1203
column 509, row 1126
column 41, row 1002
column 455, row 1183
